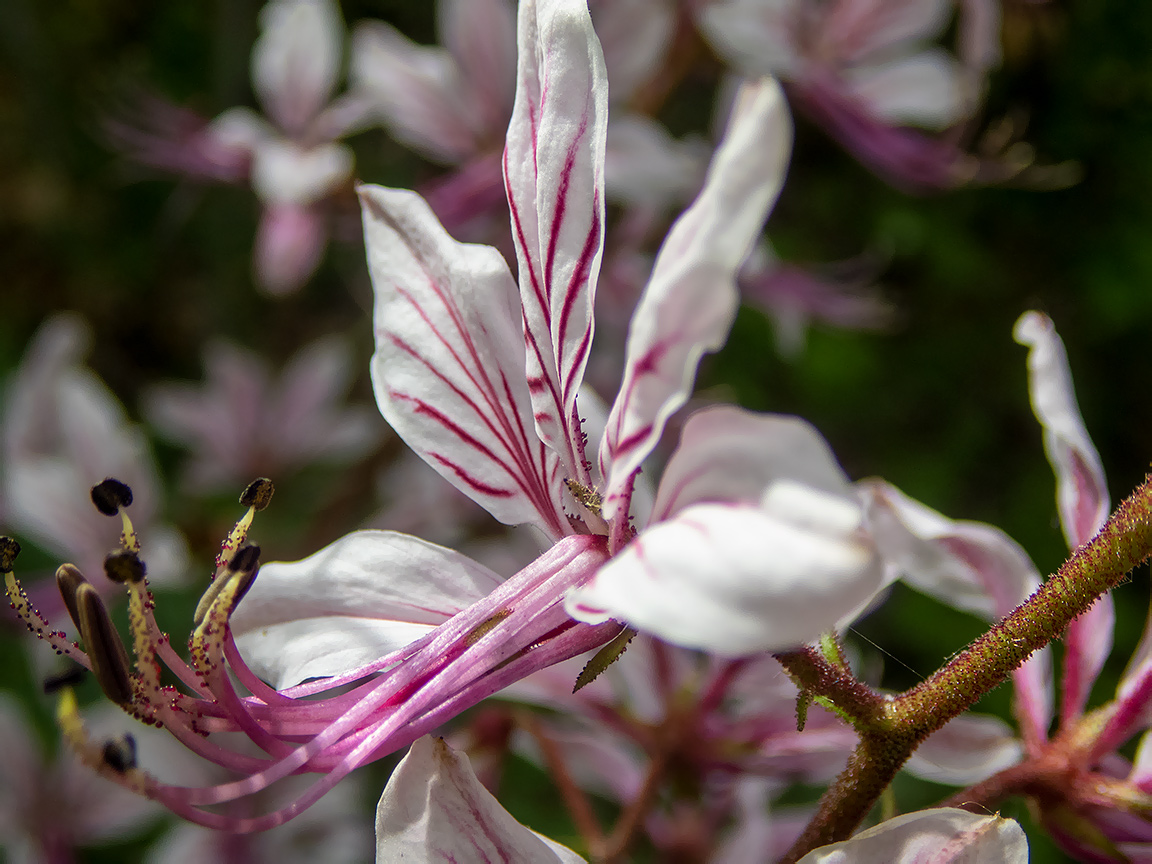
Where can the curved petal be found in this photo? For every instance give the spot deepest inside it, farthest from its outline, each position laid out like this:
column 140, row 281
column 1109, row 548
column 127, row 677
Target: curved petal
column 759, row 37
column 415, row 90
column 923, row 90
column 859, row 29
column 736, row 579
column 449, row 363
column 967, row 750
column 691, row 299
column 942, row 836
column 434, row 809
column 481, row 35
column 296, row 60
column 636, row 36
column 285, row 173
column 360, row 598
column 554, row 176
column 1081, row 490
column 1081, row 495
column 732, row 455
column 968, row 565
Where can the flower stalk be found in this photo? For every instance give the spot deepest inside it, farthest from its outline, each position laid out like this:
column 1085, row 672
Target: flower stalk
column 891, row 729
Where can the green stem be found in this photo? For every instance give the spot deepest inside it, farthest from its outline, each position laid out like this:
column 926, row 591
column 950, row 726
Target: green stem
column 889, row 737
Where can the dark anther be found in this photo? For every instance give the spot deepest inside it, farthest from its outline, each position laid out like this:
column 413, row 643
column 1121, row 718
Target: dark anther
column 105, row 650
column 68, row 580
column 110, row 495
column 123, row 566
column 258, row 494
column 246, row 558
column 73, row 676
column 9, row 549
column 120, row 753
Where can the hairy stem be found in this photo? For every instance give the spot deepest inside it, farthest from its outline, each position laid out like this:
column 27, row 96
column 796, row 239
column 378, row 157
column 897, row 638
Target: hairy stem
column 888, row 740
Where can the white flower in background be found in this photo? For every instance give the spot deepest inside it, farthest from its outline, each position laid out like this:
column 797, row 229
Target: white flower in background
column 63, row 432
column 244, row 423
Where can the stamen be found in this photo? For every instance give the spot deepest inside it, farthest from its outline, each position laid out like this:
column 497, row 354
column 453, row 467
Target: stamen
column 68, row 580
column 589, row 499
column 23, row 607
column 119, row 754
column 95, row 756
column 255, row 497
column 112, row 496
column 124, row 567
column 73, row 676
column 215, row 607
column 105, row 650
column 604, row 658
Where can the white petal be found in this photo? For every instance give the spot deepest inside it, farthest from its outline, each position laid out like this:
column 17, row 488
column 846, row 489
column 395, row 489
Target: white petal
column 1081, row 495
column 449, row 363
column 417, row 91
column 1081, row 490
column 856, row 30
column 729, row 454
column 636, row 35
column 942, row 836
column 554, row 176
column 758, row 36
column 924, row 90
column 646, row 165
column 690, row 302
column 364, row 596
column 737, row 579
column 435, row 810
column 481, row 34
column 296, row 60
column 967, row 750
column 285, row 173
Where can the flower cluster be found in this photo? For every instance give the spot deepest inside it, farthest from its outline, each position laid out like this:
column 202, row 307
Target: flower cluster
column 698, row 616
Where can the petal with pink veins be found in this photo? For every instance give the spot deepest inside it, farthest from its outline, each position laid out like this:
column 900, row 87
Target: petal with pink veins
column 941, row 836
column 1081, row 495
column 554, row 177
column 434, row 809
column 449, row 364
column 691, row 299
column 738, row 579
column 733, row 455
column 364, row 596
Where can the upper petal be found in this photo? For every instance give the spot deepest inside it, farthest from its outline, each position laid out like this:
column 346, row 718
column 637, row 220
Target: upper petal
column 729, row 454
column 554, row 175
column 691, row 298
column 435, row 809
column 1081, row 490
column 942, row 836
column 1081, row 495
column 416, row 90
column 636, row 35
column 364, row 596
column 481, row 34
column 449, row 363
column 740, row 579
column 296, row 60
column 923, row 90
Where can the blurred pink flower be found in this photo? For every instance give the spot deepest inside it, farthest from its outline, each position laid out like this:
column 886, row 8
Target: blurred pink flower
column 242, row 423
column 866, row 70
column 63, row 432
